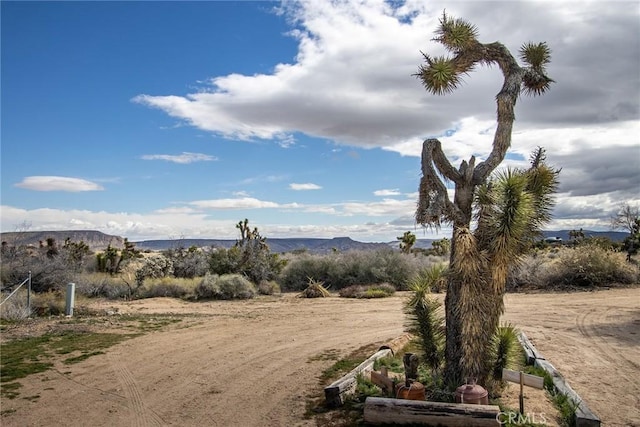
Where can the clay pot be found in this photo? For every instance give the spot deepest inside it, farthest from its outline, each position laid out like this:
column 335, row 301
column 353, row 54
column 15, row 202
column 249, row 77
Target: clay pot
column 472, row 393
column 414, row 392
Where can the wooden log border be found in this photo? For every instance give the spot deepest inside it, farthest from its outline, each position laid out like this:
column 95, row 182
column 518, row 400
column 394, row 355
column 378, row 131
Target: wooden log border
column 380, row 410
column 584, row 417
column 336, row 393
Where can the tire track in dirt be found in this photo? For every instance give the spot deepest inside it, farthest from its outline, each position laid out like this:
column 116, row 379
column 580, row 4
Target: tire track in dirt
column 273, row 369
column 587, row 324
column 591, row 325
column 141, row 415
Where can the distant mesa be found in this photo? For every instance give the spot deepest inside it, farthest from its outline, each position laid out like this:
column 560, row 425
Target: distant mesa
column 97, row 240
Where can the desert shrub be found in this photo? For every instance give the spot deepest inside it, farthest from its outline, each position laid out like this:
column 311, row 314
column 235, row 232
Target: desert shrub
column 164, row 289
column 187, row 263
column 48, row 303
column 101, row 285
column 353, row 291
column 251, row 260
column 153, row 267
column 584, row 266
column 48, row 273
column 375, row 293
column 206, row 288
column 226, row 286
column 340, row 270
column 235, row 286
column 368, row 291
column 315, row 289
column 268, row 287
column 15, row 308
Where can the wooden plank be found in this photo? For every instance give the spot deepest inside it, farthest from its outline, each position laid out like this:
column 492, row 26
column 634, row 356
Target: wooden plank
column 529, row 380
column 584, row 416
column 380, row 410
column 529, row 348
column 383, row 381
column 336, row 392
column 524, row 343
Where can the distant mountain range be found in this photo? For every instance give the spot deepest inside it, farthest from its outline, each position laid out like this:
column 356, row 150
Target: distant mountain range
column 98, row 241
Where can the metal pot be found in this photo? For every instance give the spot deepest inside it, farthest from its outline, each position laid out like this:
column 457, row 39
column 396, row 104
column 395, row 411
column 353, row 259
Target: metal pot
column 472, row 393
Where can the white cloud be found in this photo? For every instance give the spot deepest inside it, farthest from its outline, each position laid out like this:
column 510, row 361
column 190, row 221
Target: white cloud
column 58, row 183
column 352, row 82
column 304, row 187
column 184, row 158
column 386, row 193
column 237, row 203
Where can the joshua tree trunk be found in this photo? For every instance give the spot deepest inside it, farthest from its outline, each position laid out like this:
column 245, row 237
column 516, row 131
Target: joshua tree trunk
column 475, row 283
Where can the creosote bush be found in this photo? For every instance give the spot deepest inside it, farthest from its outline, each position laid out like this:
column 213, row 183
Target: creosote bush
column 226, row 287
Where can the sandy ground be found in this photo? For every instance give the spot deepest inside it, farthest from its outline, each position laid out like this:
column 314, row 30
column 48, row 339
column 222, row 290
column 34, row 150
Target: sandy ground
column 257, row 363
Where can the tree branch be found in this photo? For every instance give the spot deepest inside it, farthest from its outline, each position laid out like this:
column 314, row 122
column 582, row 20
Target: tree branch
column 433, row 200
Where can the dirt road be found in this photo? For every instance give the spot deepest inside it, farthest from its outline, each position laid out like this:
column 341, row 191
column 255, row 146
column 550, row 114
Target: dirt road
column 255, row 363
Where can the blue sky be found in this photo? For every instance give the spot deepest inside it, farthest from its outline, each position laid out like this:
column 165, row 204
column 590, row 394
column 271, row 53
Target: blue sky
column 155, row 120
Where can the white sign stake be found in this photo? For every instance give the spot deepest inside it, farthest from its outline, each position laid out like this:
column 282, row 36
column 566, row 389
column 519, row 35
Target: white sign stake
column 524, row 380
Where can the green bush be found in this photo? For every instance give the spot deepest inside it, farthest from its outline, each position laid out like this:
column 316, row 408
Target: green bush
column 207, row 289
column 102, row 285
column 368, row 291
column 268, row 287
column 341, row 270
column 226, row 287
column 171, row 290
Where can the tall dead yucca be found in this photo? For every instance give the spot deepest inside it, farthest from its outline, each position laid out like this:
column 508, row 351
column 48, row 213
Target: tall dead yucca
column 315, row 289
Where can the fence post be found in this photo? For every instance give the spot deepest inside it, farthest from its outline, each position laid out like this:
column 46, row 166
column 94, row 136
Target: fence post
column 29, row 295
column 71, row 296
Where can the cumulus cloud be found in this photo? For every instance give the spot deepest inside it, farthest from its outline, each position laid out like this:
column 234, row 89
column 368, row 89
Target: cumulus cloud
column 351, row 81
column 58, row 183
column 304, row 187
column 184, row 158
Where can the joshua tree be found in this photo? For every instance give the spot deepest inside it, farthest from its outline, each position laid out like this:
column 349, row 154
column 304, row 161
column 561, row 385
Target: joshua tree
column 509, row 208
column 407, row 240
column 628, row 218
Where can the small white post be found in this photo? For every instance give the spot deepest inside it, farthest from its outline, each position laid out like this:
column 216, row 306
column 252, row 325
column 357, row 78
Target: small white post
column 71, row 296
column 29, row 295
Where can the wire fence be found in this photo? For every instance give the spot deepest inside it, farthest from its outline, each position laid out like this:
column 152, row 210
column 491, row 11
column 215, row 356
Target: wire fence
column 26, row 281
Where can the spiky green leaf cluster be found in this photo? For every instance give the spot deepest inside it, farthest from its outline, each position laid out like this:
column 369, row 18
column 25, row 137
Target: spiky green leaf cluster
column 515, row 205
column 439, row 75
column 504, row 351
column 456, row 34
column 425, row 317
column 537, row 55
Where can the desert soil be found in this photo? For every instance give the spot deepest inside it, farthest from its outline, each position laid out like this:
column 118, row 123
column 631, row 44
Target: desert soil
column 258, row 362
